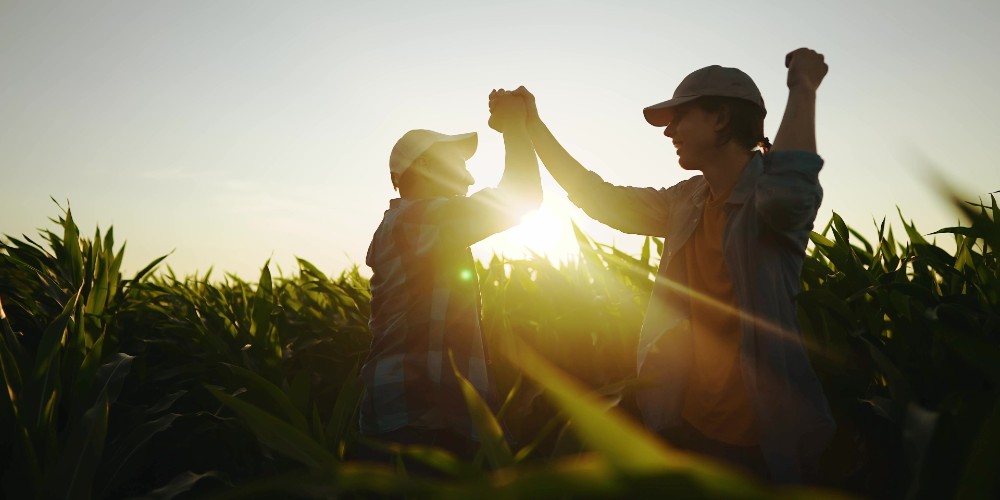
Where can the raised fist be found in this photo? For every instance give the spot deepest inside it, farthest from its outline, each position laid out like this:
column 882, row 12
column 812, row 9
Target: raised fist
column 805, row 68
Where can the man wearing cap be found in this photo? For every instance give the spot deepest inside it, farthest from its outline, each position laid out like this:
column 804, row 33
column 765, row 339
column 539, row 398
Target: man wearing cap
column 727, row 372
column 425, row 291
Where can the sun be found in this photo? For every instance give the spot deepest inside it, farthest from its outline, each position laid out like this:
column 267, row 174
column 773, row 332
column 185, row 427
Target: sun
column 547, row 231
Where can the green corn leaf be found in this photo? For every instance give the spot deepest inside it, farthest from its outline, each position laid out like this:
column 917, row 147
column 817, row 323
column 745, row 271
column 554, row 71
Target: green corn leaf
column 278, row 434
column 85, row 377
column 308, row 268
column 262, row 305
column 99, row 291
column 367, row 480
column 911, row 230
column 73, row 474
column 181, row 484
column 511, row 395
column 840, row 230
column 53, row 337
column 494, row 444
column 299, row 391
column 899, row 387
column 114, row 271
column 627, row 447
column 271, row 396
column 74, row 256
column 979, row 479
column 659, row 246
column 15, row 358
column 978, row 353
column 111, row 376
column 149, row 267
column 343, row 418
column 120, row 464
column 557, row 422
column 821, row 240
column 316, row 427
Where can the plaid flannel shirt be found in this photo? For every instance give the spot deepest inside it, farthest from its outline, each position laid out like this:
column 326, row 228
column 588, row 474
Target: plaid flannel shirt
column 425, row 304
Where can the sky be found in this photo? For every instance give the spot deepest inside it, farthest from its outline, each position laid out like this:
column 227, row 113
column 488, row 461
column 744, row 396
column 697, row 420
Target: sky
column 227, row 133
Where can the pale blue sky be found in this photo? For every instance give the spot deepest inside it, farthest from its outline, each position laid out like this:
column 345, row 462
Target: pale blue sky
column 235, row 131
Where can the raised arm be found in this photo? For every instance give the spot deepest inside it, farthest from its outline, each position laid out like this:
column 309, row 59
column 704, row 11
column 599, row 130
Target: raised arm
column 789, row 194
column 463, row 221
column 628, row 209
column 797, row 131
column 563, row 167
column 520, row 184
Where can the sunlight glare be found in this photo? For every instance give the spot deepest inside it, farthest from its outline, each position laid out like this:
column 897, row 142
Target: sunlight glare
column 547, row 232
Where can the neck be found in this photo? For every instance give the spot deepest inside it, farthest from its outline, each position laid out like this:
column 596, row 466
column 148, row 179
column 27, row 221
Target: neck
column 425, row 191
column 725, row 170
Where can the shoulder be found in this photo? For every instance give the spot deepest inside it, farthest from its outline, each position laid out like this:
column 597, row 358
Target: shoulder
column 800, row 162
column 694, row 183
column 686, row 189
column 424, row 210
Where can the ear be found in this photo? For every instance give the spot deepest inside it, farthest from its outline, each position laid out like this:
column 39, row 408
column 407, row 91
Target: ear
column 722, row 117
column 421, row 170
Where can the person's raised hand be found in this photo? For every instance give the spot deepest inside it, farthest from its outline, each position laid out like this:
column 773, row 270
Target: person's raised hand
column 806, row 68
column 506, row 109
column 529, row 102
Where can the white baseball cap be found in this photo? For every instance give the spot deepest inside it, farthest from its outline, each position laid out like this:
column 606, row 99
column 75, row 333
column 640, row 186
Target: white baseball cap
column 415, row 142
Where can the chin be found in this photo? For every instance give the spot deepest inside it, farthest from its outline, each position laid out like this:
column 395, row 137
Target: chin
column 686, row 165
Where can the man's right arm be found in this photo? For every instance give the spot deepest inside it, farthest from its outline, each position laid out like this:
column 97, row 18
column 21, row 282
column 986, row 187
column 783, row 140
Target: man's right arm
column 628, row 209
column 467, row 220
column 521, row 183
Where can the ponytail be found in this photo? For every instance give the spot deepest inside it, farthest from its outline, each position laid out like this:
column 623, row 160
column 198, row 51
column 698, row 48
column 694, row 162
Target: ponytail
column 764, row 144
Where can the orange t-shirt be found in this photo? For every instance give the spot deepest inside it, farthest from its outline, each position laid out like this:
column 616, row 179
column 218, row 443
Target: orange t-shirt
column 716, row 401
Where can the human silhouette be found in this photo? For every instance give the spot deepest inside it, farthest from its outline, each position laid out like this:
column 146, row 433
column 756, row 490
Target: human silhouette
column 425, row 291
column 720, row 349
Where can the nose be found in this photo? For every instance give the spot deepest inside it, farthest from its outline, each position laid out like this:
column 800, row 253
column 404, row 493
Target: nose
column 469, row 179
column 669, row 130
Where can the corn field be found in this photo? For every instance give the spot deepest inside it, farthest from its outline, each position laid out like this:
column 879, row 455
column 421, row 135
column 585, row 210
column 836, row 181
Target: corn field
column 159, row 386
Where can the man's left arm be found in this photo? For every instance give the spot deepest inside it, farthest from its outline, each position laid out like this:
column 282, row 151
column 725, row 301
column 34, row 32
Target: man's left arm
column 789, row 193
column 797, row 131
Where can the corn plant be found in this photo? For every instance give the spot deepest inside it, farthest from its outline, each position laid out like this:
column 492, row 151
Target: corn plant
column 174, row 387
column 61, row 368
column 907, row 341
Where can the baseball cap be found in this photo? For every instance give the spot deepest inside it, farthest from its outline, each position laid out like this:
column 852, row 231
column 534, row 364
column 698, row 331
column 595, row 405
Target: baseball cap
column 413, row 144
column 712, row 80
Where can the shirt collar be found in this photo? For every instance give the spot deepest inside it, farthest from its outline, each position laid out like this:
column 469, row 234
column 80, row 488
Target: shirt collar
column 748, row 179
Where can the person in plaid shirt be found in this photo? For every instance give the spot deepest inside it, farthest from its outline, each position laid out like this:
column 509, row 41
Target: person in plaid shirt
column 425, row 292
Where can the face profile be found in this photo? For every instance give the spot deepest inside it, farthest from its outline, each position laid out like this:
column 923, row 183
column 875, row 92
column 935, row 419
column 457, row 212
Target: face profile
column 693, row 133
column 444, row 169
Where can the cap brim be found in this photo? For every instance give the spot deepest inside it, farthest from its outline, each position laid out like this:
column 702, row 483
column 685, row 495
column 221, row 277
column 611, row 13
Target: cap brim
column 466, row 144
column 659, row 115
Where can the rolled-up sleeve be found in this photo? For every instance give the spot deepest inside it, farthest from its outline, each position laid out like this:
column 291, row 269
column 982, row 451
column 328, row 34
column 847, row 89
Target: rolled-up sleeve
column 788, row 192
column 634, row 210
column 454, row 222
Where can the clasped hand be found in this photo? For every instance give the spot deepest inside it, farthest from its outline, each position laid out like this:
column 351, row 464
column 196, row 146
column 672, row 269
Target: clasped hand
column 507, row 109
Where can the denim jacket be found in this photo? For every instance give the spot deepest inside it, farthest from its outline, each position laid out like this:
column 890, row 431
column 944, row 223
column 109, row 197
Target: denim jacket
column 770, row 213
